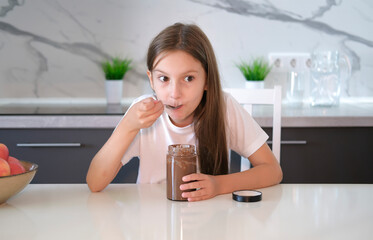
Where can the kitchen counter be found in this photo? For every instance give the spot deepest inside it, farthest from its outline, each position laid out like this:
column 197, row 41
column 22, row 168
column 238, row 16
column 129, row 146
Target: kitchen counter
column 130, row 211
column 96, row 114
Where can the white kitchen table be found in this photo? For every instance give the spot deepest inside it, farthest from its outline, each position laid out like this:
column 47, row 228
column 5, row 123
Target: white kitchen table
column 130, row 211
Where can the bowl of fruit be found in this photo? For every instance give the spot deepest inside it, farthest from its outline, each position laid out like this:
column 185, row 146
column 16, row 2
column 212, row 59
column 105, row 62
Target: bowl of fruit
column 15, row 174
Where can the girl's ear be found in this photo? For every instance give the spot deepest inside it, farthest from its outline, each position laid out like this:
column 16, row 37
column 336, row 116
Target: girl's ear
column 150, row 79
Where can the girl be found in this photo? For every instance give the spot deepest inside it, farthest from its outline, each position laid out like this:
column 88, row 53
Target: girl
column 189, row 108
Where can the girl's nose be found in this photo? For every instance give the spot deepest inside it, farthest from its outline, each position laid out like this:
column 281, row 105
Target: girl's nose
column 175, row 91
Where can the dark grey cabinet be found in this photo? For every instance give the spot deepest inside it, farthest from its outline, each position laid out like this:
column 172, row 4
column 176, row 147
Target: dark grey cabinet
column 330, row 155
column 68, row 160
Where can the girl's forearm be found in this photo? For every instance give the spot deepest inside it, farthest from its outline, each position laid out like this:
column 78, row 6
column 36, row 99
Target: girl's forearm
column 258, row 177
column 107, row 162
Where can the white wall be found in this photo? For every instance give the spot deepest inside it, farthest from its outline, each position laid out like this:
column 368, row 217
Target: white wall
column 52, row 48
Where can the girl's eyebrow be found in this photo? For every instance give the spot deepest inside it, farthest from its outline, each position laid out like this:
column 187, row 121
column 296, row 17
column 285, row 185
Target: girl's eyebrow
column 156, row 70
column 186, row 72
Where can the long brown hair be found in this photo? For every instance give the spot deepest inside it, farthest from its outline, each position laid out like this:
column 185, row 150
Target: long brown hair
column 209, row 116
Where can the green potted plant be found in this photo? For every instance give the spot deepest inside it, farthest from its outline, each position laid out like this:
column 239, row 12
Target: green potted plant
column 254, row 71
column 115, row 69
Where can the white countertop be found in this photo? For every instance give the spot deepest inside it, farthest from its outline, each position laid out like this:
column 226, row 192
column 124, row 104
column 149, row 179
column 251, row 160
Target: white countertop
column 130, row 211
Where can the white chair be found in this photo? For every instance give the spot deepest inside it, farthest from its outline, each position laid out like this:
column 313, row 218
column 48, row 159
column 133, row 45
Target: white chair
column 250, row 97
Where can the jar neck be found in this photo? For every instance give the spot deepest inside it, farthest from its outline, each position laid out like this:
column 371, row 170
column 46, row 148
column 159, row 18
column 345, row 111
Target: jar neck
column 181, row 149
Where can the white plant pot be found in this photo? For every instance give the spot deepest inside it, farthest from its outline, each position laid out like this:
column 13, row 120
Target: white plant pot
column 254, row 84
column 114, row 89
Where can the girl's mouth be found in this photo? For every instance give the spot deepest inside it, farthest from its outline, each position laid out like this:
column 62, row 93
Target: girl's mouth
column 174, row 107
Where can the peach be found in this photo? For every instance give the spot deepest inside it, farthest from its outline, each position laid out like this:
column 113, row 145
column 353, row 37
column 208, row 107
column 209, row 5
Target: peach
column 4, row 168
column 15, row 166
column 4, row 151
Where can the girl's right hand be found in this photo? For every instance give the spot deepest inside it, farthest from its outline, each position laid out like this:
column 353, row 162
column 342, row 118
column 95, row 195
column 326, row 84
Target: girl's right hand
column 144, row 113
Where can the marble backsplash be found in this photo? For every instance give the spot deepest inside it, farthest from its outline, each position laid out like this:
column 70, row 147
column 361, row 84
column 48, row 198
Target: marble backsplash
column 53, row 48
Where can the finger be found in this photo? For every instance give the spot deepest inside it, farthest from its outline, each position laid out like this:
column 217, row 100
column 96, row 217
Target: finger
column 150, row 119
column 159, row 107
column 194, row 194
column 194, row 177
column 147, row 109
column 157, row 111
column 192, row 185
column 198, row 199
column 147, row 118
column 156, row 108
column 147, row 104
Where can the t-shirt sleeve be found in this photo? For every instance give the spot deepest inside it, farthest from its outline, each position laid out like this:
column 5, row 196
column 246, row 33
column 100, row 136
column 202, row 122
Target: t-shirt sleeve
column 244, row 133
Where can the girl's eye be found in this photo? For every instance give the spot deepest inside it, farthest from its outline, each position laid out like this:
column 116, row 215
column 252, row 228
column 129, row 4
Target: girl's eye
column 163, row 78
column 188, row 78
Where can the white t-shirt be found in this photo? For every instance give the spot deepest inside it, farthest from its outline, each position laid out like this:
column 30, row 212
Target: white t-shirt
column 244, row 135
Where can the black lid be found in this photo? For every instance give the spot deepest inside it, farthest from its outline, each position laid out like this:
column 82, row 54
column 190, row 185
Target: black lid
column 247, row 196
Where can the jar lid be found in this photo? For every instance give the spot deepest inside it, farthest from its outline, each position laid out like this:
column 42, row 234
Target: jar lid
column 247, row 196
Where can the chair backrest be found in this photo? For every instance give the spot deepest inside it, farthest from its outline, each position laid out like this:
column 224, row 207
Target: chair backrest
column 250, row 97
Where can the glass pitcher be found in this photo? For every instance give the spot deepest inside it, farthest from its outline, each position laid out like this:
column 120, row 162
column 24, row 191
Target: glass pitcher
column 326, row 75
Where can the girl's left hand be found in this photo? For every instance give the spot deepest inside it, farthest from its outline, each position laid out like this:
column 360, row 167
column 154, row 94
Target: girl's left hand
column 206, row 186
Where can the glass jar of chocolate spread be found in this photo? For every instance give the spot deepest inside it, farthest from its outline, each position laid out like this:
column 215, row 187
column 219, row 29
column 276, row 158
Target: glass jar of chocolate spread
column 181, row 161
